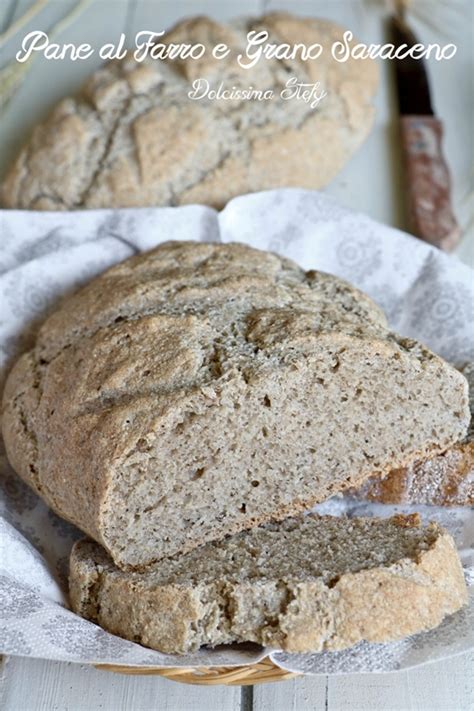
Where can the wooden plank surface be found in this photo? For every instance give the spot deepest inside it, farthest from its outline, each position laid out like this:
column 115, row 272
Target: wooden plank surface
column 444, row 686
column 34, row 685
column 30, row 685
column 305, row 694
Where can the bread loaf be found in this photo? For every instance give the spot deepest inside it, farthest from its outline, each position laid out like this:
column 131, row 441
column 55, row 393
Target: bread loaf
column 447, row 479
column 302, row 585
column 134, row 137
column 202, row 389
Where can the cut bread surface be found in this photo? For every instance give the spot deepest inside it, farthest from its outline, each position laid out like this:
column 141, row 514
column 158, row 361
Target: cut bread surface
column 202, row 389
column 446, row 479
column 305, row 584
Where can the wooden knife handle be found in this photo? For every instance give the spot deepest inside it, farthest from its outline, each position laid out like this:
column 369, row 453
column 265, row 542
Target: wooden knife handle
column 428, row 182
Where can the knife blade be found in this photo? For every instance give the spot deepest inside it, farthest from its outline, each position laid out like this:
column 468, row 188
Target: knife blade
column 427, row 176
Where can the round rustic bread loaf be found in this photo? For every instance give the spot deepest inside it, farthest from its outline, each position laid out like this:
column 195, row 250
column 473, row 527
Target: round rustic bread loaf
column 134, row 138
column 199, row 389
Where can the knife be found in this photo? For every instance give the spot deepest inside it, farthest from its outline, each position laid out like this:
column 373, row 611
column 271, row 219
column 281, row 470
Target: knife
column 426, row 171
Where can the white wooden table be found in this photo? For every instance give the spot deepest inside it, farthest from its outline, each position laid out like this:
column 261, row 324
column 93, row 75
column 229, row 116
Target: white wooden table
column 371, row 182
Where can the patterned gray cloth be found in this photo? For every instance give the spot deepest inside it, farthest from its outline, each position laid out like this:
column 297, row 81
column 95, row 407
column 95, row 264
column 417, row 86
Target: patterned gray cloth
column 44, row 256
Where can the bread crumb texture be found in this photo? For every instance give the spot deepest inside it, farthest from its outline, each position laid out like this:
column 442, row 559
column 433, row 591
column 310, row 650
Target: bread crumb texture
column 447, row 479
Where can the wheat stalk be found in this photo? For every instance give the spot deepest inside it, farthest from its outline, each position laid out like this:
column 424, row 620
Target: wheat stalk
column 22, row 21
column 13, row 74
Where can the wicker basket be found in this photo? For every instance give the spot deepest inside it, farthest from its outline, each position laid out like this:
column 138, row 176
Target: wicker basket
column 262, row 672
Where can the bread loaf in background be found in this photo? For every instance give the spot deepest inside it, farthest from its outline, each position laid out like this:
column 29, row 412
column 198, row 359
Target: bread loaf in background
column 134, row 138
column 447, row 479
column 303, row 585
column 201, row 389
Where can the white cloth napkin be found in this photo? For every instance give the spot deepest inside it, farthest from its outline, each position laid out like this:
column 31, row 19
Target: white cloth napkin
column 425, row 293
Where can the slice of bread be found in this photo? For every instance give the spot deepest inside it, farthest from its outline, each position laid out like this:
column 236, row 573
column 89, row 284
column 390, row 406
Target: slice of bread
column 303, row 585
column 202, row 389
column 446, row 479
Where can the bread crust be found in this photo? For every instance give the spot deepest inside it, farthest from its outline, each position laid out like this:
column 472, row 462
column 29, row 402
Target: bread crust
column 376, row 604
column 134, row 138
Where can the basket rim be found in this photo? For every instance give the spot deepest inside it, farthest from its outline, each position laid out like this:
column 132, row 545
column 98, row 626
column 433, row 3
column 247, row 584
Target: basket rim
column 264, row 671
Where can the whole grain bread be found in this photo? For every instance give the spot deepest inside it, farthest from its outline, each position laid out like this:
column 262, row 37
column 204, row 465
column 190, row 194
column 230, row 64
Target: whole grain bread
column 447, row 479
column 134, row 138
column 201, row 389
column 302, row 585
